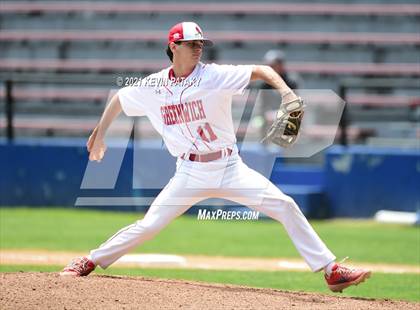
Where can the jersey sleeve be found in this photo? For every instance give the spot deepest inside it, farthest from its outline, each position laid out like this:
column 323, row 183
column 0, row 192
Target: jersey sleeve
column 231, row 77
column 130, row 99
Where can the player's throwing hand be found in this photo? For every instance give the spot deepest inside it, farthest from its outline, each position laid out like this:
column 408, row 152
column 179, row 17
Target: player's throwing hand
column 96, row 146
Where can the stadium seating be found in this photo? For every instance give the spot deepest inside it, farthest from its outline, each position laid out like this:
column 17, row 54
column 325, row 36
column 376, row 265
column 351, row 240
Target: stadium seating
column 371, row 9
column 144, row 66
column 323, row 41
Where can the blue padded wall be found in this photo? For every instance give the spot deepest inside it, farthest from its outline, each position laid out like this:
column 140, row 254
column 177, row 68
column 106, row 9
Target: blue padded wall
column 363, row 180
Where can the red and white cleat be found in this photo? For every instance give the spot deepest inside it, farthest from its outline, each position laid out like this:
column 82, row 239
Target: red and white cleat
column 79, row 267
column 342, row 277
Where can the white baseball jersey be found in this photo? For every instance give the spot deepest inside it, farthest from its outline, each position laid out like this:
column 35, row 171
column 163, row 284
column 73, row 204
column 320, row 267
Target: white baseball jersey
column 194, row 115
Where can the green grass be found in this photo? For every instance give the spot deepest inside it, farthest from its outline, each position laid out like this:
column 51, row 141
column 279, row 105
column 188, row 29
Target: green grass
column 81, row 230
column 379, row 286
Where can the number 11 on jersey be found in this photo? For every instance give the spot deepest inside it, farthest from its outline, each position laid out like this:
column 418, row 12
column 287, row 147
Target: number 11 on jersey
column 206, row 133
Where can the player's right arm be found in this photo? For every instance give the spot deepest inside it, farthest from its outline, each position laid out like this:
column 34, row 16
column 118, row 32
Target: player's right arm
column 96, row 144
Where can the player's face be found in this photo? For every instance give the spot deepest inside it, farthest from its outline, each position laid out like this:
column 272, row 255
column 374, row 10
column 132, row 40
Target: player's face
column 190, row 51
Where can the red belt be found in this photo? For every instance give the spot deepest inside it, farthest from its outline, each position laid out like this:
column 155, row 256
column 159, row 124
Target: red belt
column 203, row 158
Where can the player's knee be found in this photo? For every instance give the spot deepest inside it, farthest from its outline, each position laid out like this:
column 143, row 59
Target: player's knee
column 281, row 208
column 287, row 202
column 292, row 205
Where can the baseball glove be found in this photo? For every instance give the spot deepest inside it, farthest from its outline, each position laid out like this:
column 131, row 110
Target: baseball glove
column 285, row 129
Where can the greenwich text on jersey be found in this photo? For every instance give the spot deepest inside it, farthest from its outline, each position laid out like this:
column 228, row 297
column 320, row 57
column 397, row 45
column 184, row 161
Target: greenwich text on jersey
column 183, row 112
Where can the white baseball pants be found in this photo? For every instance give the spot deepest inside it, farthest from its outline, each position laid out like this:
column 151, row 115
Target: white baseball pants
column 227, row 178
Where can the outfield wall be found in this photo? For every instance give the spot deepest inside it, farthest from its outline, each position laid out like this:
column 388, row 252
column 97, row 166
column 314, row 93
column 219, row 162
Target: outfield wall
column 55, row 172
column 355, row 181
column 361, row 180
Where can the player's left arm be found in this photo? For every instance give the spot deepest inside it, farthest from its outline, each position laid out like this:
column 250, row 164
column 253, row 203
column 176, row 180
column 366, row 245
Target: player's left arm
column 271, row 77
column 285, row 128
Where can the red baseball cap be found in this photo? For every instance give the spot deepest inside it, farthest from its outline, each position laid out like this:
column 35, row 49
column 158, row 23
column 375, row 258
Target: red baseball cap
column 187, row 31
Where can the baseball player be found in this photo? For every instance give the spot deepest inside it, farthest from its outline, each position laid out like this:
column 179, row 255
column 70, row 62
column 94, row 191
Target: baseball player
column 192, row 113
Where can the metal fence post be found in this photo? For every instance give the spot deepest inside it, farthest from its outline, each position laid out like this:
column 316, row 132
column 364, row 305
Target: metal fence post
column 9, row 111
column 344, row 121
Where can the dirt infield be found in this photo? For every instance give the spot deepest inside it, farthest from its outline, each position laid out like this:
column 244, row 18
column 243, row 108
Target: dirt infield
column 50, row 291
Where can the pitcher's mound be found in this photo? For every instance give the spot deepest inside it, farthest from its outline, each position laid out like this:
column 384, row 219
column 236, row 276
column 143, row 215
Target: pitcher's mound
column 50, row 291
